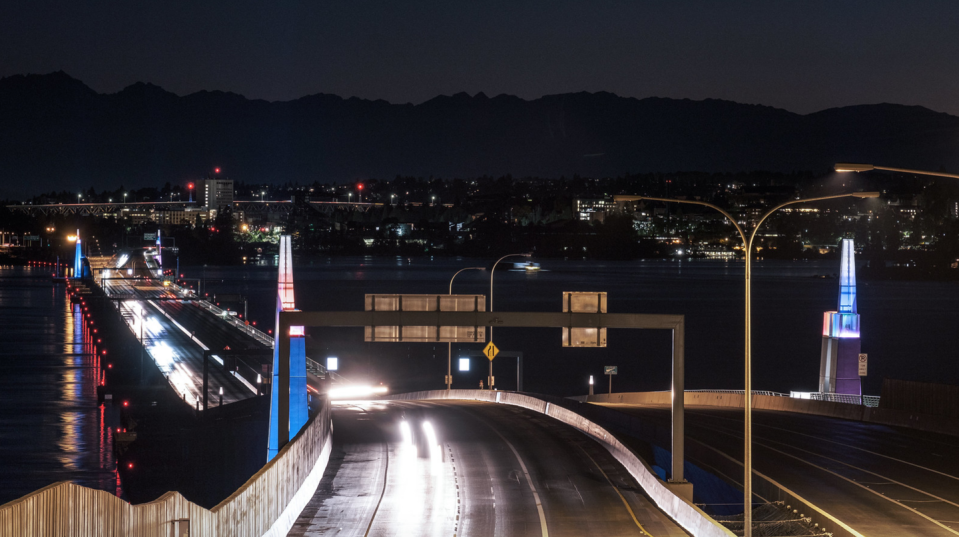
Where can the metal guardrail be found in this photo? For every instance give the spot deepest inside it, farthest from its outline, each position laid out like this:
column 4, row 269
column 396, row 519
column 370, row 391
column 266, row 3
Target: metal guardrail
column 743, row 392
column 865, row 400
column 238, row 324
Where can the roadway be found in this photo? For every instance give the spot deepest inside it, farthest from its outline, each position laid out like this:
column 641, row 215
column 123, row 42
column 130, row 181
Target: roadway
column 470, row 468
column 176, row 333
column 879, row 480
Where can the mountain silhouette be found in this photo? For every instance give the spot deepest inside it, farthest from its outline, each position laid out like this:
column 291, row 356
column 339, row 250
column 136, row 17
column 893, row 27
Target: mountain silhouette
column 57, row 133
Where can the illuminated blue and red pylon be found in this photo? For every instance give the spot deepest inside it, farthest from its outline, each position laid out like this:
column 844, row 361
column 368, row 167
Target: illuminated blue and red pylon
column 299, row 411
column 78, row 259
column 839, row 362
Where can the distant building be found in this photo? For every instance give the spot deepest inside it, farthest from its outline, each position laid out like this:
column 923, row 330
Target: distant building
column 180, row 217
column 214, row 193
column 592, row 209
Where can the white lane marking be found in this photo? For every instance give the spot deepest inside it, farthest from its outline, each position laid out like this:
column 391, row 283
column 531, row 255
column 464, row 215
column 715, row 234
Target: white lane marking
column 178, row 325
column 539, row 504
column 844, row 478
column 821, row 439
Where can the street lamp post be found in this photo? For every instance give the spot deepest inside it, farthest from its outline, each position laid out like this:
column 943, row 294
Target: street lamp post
column 747, row 395
column 491, row 274
column 850, row 167
column 449, row 355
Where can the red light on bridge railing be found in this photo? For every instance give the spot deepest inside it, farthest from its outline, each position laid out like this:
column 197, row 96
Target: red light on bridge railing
column 130, row 465
column 126, row 403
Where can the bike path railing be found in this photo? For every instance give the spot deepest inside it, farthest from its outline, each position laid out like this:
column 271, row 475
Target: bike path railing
column 266, row 505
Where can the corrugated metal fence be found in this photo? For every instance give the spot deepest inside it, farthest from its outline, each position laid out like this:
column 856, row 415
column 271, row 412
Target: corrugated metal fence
column 262, row 506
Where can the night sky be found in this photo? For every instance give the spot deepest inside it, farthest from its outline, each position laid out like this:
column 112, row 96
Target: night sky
column 803, row 56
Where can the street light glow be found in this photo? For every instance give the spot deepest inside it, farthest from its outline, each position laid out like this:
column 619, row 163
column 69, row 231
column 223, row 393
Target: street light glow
column 348, row 392
column 851, row 167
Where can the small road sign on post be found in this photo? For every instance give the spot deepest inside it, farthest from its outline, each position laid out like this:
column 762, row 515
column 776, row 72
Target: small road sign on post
column 863, row 363
column 609, row 371
column 491, row 351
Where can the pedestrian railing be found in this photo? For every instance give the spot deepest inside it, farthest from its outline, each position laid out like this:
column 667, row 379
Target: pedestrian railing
column 864, row 400
column 256, row 334
column 743, row 392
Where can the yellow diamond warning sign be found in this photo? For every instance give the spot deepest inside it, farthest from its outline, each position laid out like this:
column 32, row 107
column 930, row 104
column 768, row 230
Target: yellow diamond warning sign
column 491, row 351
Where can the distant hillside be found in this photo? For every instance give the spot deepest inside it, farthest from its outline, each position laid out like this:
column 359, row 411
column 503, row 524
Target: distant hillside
column 56, row 133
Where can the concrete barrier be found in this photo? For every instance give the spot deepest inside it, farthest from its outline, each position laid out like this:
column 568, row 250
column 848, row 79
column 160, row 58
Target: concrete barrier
column 845, row 411
column 735, row 400
column 687, row 515
column 266, row 505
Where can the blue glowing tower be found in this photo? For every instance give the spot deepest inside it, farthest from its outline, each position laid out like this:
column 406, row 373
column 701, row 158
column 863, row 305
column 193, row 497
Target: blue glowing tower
column 299, row 411
column 78, row 260
column 159, row 256
column 839, row 365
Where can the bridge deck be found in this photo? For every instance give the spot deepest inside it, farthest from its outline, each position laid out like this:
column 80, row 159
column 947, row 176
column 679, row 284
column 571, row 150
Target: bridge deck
column 176, row 335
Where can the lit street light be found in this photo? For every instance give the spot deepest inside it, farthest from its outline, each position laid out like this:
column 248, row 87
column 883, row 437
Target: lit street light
column 449, row 355
column 747, row 395
column 850, row 167
column 491, row 274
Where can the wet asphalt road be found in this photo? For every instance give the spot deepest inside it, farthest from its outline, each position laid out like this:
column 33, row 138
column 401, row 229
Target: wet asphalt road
column 484, row 470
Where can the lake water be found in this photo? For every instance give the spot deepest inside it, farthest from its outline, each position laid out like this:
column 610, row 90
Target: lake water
column 51, row 427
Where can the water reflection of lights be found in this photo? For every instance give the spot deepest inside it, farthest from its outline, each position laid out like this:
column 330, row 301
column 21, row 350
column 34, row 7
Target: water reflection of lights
column 407, row 438
column 420, row 491
column 436, row 453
